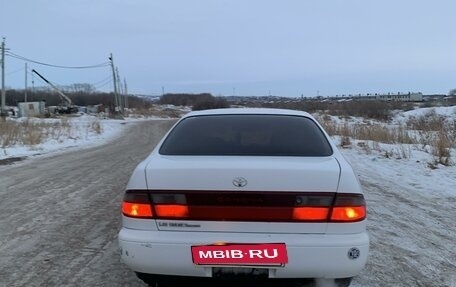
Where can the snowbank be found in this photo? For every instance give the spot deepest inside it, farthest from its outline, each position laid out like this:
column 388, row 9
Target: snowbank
column 82, row 131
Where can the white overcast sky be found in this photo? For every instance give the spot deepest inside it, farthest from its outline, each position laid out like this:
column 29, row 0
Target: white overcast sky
column 249, row 47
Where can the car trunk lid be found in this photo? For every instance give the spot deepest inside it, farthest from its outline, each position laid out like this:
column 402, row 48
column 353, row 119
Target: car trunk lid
column 243, row 194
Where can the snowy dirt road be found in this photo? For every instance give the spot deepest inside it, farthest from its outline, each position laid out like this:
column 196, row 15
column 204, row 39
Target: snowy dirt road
column 60, row 217
column 60, row 214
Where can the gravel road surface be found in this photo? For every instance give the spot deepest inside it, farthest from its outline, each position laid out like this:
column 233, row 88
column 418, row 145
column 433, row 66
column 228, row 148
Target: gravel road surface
column 60, row 217
column 60, row 214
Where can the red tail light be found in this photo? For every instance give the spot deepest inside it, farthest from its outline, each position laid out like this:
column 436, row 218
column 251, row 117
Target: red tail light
column 171, row 211
column 310, row 213
column 345, row 214
column 137, row 204
column 348, row 208
column 245, row 206
column 137, row 210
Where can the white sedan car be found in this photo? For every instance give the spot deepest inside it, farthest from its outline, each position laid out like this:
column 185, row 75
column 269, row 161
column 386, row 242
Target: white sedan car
column 252, row 193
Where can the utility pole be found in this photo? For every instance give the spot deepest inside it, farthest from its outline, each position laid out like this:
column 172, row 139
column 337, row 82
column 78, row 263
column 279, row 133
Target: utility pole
column 2, row 111
column 119, row 89
column 33, row 85
column 111, row 58
column 25, row 91
column 119, row 85
column 126, row 93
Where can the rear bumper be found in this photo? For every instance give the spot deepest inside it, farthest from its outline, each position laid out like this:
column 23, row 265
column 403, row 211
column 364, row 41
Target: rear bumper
column 309, row 255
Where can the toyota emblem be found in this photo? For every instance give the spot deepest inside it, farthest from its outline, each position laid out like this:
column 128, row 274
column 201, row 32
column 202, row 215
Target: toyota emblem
column 239, row 182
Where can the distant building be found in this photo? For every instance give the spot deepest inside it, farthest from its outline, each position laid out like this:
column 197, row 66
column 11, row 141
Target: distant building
column 410, row 97
column 31, row 109
column 95, row 109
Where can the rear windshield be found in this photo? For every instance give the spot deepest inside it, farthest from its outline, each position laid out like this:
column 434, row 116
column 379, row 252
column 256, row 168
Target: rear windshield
column 249, row 135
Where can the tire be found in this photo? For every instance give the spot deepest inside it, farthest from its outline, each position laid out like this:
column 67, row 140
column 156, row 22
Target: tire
column 149, row 279
column 154, row 280
column 343, row 282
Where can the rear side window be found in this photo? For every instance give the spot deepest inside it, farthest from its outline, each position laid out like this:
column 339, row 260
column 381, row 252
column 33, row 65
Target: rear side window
column 248, row 135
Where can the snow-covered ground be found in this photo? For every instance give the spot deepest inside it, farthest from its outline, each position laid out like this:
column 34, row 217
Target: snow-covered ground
column 81, row 131
column 411, row 208
column 413, row 170
column 448, row 112
column 411, row 203
column 70, row 132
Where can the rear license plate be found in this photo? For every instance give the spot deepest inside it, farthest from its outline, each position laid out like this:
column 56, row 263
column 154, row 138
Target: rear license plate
column 261, row 254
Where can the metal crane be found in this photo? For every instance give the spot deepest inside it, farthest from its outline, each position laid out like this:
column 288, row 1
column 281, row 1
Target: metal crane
column 68, row 106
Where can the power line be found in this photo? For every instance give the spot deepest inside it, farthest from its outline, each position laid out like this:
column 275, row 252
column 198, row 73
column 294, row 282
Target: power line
column 107, row 83
column 102, row 81
column 105, row 64
column 97, row 85
column 103, row 84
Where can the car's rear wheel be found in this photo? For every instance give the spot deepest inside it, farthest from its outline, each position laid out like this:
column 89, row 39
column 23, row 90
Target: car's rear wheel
column 160, row 280
column 149, row 279
column 338, row 282
column 154, row 280
column 343, row 282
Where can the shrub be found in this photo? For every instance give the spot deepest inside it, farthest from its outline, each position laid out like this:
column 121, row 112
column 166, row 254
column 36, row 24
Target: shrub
column 9, row 133
column 33, row 132
column 95, row 125
column 210, row 104
column 441, row 148
column 184, row 99
column 345, row 136
column 430, row 121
